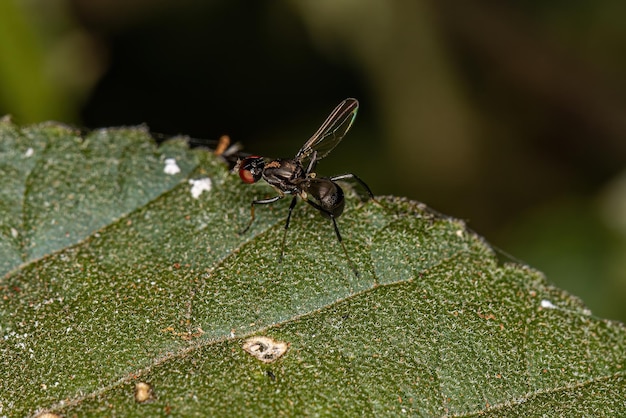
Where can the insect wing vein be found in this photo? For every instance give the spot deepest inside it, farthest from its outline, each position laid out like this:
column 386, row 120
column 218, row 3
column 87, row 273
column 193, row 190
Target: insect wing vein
column 331, row 132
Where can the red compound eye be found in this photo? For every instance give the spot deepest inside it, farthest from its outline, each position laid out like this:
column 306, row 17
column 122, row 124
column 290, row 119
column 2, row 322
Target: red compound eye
column 251, row 169
column 246, row 176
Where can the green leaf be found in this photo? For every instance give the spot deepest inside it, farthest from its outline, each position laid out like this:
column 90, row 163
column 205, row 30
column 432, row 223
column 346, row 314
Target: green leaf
column 125, row 294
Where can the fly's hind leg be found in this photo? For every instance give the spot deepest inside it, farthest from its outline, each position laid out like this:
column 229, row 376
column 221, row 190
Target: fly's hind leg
column 282, row 247
column 343, row 246
column 351, row 176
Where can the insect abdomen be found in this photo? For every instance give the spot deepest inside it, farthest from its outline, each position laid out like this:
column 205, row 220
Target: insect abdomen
column 327, row 194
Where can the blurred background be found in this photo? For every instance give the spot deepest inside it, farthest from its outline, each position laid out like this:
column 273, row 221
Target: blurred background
column 510, row 115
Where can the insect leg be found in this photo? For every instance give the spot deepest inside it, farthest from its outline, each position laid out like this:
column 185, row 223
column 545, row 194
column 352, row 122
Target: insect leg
column 353, row 176
column 259, row 202
column 312, row 164
column 343, row 246
column 291, row 206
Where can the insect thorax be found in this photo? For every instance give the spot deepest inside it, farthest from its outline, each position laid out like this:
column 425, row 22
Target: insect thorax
column 284, row 174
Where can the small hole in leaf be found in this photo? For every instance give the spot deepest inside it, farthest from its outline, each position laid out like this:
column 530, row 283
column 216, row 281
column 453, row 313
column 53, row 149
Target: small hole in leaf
column 265, row 349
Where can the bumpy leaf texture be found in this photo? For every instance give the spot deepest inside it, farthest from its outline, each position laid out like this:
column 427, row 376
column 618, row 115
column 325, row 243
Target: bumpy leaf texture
column 126, row 291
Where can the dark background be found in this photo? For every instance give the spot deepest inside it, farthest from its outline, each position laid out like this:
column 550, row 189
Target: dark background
column 510, row 115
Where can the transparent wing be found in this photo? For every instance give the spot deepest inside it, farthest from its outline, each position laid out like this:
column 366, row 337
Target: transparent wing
column 331, row 132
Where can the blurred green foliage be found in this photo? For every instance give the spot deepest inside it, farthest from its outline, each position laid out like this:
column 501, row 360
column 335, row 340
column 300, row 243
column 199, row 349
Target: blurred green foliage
column 46, row 61
column 25, row 89
column 510, row 115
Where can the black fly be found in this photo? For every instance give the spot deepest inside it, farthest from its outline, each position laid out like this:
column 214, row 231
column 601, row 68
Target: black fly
column 296, row 176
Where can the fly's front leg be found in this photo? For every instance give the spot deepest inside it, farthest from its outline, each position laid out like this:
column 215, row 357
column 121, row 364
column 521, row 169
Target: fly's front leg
column 259, row 202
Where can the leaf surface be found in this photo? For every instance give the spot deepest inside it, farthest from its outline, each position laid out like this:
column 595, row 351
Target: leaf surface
column 115, row 274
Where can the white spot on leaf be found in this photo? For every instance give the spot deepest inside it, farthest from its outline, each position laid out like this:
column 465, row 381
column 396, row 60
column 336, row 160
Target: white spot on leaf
column 200, row 185
column 171, row 167
column 143, row 392
column 29, row 153
column 546, row 304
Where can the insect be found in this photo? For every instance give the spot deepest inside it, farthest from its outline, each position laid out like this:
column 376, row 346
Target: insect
column 296, row 176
